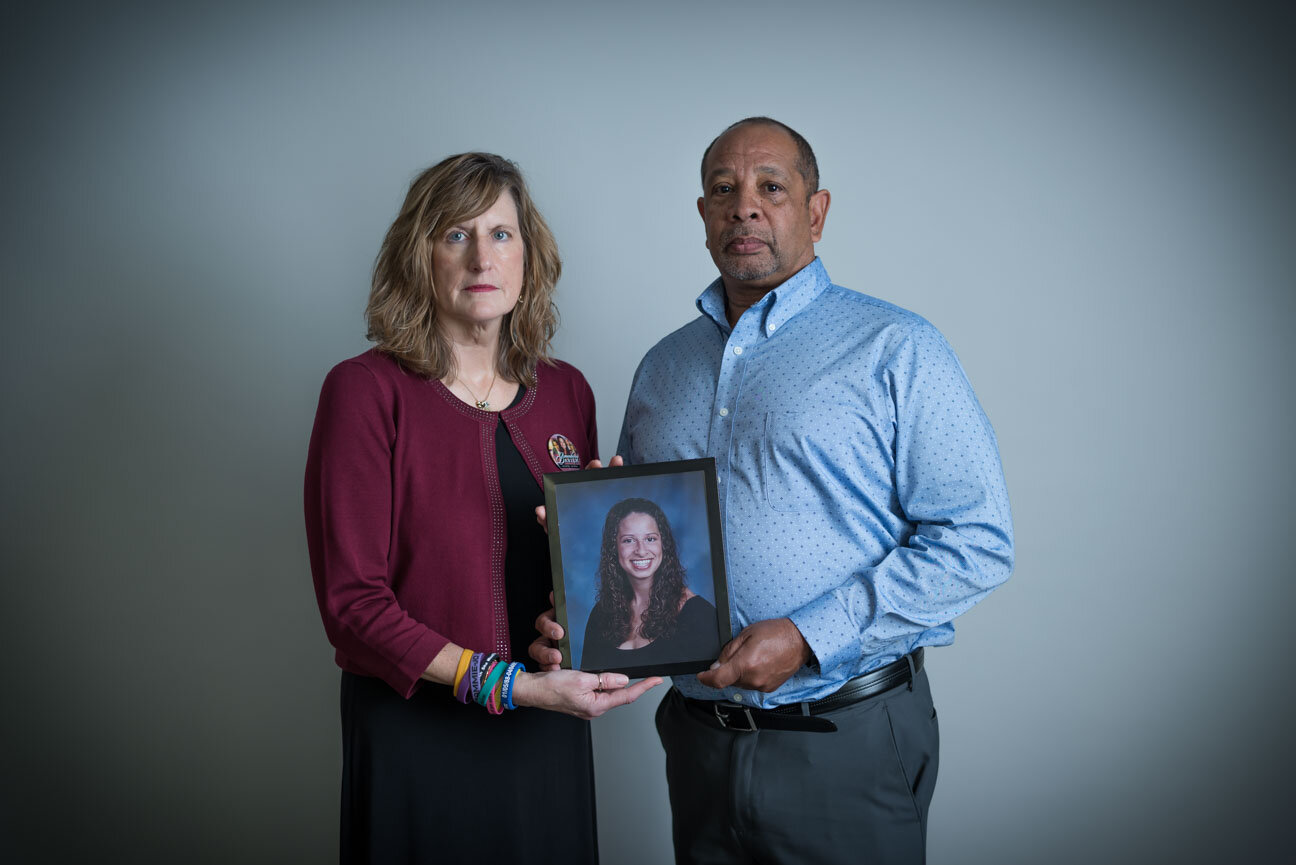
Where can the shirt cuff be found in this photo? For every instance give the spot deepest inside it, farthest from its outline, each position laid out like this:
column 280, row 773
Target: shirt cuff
column 407, row 675
column 833, row 636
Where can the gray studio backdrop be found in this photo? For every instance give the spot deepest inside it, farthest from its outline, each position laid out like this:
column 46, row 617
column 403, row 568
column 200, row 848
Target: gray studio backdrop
column 1094, row 202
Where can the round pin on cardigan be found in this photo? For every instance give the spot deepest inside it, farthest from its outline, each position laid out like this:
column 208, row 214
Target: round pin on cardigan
column 563, row 452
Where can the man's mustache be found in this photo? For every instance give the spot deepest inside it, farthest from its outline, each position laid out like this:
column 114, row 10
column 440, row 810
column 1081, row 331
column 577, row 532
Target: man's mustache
column 735, row 233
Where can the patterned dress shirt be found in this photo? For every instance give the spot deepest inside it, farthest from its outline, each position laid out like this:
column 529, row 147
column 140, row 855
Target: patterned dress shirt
column 860, row 485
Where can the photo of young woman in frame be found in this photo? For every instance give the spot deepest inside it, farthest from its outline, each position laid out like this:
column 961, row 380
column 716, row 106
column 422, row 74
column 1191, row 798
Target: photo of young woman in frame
column 638, row 568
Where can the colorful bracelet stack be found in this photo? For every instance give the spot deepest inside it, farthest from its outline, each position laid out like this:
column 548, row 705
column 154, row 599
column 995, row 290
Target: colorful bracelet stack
column 486, row 680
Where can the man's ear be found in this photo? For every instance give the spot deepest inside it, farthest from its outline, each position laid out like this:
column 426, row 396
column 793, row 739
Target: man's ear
column 702, row 213
column 819, row 202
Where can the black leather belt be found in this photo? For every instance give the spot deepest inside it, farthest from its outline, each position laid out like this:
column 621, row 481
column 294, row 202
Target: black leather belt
column 802, row 716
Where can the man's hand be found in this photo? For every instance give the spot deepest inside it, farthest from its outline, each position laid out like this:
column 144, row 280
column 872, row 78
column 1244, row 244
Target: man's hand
column 762, row 657
column 544, row 649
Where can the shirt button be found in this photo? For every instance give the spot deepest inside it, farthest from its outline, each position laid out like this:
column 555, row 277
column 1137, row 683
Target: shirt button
column 737, row 349
column 773, row 327
column 724, row 412
column 737, row 698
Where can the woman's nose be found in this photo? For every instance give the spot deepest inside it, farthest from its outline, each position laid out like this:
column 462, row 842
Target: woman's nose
column 481, row 257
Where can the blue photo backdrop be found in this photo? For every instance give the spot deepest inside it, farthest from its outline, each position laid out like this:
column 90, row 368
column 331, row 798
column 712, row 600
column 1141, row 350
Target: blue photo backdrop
column 583, row 508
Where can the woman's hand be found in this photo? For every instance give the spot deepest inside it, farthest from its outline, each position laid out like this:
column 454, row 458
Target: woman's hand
column 585, row 695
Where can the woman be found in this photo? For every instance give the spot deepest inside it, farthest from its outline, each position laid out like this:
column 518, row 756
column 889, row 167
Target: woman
column 645, row 614
column 422, row 478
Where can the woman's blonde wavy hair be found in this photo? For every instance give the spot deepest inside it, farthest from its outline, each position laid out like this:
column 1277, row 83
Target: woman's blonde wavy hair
column 401, row 312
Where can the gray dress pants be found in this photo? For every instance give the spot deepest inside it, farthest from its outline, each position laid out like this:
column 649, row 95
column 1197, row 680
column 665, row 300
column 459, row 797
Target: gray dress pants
column 857, row 795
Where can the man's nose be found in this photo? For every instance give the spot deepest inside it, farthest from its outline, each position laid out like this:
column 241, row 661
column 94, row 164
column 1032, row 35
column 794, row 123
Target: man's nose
column 744, row 205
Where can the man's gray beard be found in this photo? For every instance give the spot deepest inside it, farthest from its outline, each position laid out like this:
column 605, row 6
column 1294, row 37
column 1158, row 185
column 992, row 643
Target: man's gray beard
column 741, row 271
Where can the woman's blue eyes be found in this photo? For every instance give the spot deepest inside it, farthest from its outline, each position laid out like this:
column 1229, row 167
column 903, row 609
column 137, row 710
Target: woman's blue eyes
column 460, row 237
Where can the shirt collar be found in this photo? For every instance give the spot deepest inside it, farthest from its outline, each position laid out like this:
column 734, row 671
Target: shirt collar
column 778, row 306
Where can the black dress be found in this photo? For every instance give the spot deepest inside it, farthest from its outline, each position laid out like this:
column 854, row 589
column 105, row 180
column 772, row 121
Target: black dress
column 430, row 780
column 695, row 638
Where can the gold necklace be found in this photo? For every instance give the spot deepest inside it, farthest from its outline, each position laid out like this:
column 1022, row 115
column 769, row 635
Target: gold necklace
column 480, row 403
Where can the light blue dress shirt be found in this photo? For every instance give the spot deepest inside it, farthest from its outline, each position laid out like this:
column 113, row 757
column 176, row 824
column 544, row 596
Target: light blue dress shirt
column 860, row 484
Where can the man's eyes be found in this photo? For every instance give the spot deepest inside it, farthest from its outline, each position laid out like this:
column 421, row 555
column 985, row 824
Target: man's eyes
column 727, row 188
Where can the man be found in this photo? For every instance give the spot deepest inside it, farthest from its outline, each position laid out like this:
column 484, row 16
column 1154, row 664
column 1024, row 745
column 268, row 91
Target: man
column 864, row 509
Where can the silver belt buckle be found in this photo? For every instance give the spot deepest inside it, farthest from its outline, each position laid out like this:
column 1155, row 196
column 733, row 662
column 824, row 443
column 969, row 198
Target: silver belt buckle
column 724, row 721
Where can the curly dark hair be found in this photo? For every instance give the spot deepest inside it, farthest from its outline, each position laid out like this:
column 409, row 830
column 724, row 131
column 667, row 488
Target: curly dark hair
column 614, row 592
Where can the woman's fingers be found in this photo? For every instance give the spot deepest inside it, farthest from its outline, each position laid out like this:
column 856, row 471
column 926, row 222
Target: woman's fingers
column 641, row 687
column 612, row 681
column 619, row 695
column 585, row 695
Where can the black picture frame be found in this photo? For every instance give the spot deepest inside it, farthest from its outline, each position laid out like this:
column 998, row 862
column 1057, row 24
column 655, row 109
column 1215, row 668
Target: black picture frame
column 578, row 506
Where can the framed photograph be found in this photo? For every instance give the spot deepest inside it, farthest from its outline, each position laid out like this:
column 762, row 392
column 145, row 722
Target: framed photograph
column 638, row 567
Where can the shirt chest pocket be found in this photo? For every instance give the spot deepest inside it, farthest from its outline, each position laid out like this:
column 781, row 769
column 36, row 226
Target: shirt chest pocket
column 801, row 456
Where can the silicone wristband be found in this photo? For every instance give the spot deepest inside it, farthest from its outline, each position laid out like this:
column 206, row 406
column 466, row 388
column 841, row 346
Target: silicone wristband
column 496, row 672
column 481, row 663
column 465, row 658
column 465, row 685
column 512, row 676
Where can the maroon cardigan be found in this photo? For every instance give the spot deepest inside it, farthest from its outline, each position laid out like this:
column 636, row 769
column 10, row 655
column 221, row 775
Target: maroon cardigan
column 404, row 516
